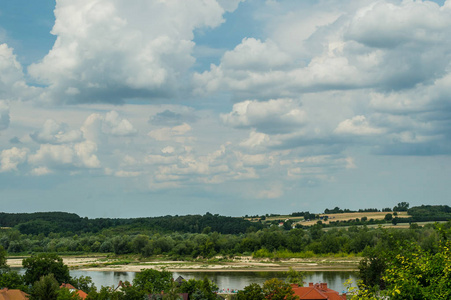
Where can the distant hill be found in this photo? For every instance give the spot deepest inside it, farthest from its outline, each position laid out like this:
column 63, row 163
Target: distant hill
column 46, row 222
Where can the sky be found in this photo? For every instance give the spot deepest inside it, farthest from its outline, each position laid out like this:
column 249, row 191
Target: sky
column 117, row 108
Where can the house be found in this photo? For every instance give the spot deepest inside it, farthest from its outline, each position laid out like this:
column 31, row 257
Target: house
column 318, row 291
column 179, row 281
column 7, row 294
column 71, row 288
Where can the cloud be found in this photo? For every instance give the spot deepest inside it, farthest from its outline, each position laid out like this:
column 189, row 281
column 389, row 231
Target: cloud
column 40, row 171
column 349, row 49
column 80, row 155
column 11, row 75
column 176, row 133
column 119, row 126
column 171, row 118
column 387, row 25
column 123, row 173
column 270, row 117
column 229, row 5
column 255, row 55
column 12, row 80
column 274, row 192
column 108, row 51
column 358, row 125
column 11, row 158
column 97, row 126
column 53, row 132
column 255, row 139
column 4, row 115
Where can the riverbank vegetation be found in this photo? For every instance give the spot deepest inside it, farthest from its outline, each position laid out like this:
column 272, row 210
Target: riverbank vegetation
column 190, row 237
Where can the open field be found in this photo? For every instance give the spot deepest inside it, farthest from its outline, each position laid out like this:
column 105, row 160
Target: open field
column 273, row 218
column 350, row 216
column 238, row 264
column 332, row 217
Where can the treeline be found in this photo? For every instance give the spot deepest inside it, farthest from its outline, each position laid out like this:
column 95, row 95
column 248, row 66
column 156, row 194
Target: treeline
column 177, row 245
column 202, row 236
column 61, row 222
column 402, row 206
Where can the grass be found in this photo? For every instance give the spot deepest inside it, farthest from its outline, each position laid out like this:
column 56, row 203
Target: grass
column 286, row 254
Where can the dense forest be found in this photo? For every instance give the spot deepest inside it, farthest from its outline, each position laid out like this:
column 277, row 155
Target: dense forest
column 59, row 222
column 205, row 235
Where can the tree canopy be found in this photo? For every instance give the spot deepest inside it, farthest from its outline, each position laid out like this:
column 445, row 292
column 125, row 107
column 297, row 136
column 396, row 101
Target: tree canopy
column 45, row 264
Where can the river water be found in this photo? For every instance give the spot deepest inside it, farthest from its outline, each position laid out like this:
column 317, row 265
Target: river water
column 224, row 280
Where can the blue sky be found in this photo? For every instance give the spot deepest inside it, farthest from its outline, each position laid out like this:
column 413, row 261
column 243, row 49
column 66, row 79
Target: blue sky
column 116, row 109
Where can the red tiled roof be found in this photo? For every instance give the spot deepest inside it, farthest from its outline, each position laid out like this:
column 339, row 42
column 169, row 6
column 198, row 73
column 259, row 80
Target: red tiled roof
column 309, row 293
column 70, row 287
column 82, row 294
column 317, row 292
column 67, row 286
column 7, row 294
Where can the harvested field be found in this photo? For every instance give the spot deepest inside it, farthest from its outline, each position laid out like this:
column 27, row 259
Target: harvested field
column 353, row 216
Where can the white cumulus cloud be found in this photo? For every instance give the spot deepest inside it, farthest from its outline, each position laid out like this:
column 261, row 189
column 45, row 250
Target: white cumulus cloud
column 53, row 132
column 81, row 155
column 358, row 125
column 273, row 116
column 176, row 133
column 110, row 49
column 11, row 158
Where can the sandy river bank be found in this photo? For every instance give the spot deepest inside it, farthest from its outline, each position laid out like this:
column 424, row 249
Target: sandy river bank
column 238, row 264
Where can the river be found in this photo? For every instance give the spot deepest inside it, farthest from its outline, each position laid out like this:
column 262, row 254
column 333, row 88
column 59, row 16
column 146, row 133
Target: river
column 224, row 280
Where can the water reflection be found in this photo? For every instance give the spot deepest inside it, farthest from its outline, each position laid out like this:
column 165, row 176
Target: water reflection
column 105, row 278
column 238, row 280
column 225, row 280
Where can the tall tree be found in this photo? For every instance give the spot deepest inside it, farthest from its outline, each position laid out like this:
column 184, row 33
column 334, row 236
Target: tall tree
column 276, row 289
column 251, row 292
column 153, row 281
column 44, row 264
column 3, row 265
column 45, row 288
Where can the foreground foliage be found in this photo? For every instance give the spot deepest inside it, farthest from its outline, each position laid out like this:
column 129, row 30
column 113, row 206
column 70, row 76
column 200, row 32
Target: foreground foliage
column 404, row 270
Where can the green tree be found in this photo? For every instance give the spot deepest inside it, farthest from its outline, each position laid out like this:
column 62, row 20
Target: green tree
column 402, row 206
column 295, row 277
column 372, row 268
column 121, row 244
column 46, row 288
column 410, row 272
column 13, row 280
column 83, row 283
column 44, row 264
column 275, row 289
column 65, row 294
column 152, row 281
column 106, row 293
column 251, row 292
column 131, row 292
column 3, row 265
column 199, row 289
column 420, row 275
column 139, row 243
column 173, row 293
column 395, row 221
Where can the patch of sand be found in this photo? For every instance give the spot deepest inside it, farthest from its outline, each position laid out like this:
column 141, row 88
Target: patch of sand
column 239, row 264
